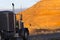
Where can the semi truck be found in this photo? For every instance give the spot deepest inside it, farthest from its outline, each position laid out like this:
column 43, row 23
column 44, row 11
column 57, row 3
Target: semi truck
column 8, row 29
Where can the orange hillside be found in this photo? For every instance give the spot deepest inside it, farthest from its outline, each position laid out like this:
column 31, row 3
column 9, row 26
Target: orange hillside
column 44, row 14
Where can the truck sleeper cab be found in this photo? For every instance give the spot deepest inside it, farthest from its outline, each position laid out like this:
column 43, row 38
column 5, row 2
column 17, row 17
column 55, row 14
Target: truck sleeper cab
column 6, row 24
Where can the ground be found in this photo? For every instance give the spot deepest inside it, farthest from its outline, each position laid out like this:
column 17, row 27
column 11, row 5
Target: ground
column 53, row 36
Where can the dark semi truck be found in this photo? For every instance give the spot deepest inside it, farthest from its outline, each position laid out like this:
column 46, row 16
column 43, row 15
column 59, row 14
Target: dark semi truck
column 8, row 29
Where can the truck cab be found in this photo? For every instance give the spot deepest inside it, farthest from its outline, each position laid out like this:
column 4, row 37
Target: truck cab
column 8, row 28
column 6, row 25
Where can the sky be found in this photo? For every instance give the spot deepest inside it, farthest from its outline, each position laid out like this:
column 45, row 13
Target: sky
column 7, row 4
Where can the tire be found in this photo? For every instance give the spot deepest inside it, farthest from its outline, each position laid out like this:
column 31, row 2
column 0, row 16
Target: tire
column 25, row 36
column 7, row 39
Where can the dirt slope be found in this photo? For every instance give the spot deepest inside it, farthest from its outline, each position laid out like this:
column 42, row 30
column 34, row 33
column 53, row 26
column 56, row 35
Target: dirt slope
column 44, row 14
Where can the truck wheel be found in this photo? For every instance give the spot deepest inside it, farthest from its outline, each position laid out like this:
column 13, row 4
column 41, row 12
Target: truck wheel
column 7, row 39
column 25, row 36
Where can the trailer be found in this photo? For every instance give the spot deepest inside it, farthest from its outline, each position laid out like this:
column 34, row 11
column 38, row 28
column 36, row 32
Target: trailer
column 8, row 29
